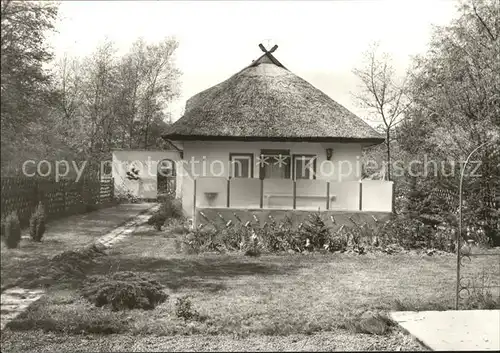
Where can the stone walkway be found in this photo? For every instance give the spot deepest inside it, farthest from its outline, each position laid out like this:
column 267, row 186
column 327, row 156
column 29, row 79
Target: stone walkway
column 16, row 300
column 462, row 330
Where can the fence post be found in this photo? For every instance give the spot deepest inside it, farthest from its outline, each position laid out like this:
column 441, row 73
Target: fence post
column 194, row 204
column 261, row 193
column 360, row 195
column 294, row 194
column 327, row 195
column 228, row 192
column 393, row 198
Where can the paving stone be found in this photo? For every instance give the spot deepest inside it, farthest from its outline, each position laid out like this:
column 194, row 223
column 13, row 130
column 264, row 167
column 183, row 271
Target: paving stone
column 469, row 330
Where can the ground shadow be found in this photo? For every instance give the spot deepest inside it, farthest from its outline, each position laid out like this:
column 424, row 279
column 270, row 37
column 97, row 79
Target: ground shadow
column 202, row 273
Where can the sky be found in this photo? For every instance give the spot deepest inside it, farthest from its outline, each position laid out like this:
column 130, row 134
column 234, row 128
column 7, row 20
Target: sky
column 320, row 41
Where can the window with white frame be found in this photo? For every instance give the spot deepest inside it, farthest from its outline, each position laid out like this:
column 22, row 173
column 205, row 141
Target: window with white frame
column 275, row 164
column 241, row 165
column 304, row 166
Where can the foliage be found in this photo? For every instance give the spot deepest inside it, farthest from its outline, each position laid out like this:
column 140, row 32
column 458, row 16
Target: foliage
column 25, row 83
column 169, row 209
column 37, row 223
column 124, row 290
column 74, row 264
column 395, row 234
column 314, row 231
column 12, row 231
column 480, row 296
column 86, row 106
column 184, row 309
column 383, row 96
column 252, row 247
column 454, row 90
column 370, row 323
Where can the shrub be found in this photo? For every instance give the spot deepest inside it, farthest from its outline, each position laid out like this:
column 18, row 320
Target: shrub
column 337, row 241
column 280, row 236
column 480, row 296
column 176, row 227
column 74, row 264
column 12, row 231
column 411, row 233
column 37, row 223
column 235, row 237
column 208, row 238
column 124, row 290
column 169, row 209
column 371, row 323
column 252, row 247
column 184, row 309
column 315, row 232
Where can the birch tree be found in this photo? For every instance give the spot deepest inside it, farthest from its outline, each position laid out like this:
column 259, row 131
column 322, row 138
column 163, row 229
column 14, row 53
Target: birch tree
column 382, row 95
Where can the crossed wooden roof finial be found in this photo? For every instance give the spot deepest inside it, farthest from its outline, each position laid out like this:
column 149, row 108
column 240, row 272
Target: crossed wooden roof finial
column 268, row 51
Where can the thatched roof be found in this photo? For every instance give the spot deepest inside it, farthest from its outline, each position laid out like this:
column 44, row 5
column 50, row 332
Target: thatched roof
column 265, row 101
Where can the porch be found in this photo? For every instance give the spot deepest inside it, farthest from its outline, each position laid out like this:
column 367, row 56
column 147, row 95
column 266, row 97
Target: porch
column 286, row 194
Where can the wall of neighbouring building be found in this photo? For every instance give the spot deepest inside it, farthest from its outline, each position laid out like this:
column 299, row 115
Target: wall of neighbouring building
column 205, row 153
column 146, row 162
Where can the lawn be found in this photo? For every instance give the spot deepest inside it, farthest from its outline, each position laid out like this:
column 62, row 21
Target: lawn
column 20, row 266
column 274, row 302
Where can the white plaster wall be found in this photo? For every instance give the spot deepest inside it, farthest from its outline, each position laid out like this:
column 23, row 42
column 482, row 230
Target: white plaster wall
column 211, row 158
column 147, row 163
column 377, row 195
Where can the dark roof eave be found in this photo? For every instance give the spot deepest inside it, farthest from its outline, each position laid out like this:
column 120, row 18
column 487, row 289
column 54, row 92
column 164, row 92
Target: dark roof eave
column 367, row 140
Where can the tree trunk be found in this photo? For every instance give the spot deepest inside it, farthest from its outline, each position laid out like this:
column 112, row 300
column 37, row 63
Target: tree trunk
column 388, row 144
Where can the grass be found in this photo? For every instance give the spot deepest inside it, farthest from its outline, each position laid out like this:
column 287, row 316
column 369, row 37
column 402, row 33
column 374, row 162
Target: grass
column 305, row 297
column 21, row 266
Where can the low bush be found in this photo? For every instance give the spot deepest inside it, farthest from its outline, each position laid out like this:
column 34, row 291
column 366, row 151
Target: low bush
column 77, row 318
column 124, row 290
column 480, row 296
column 370, row 323
column 184, row 309
column 315, row 232
column 12, row 231
column 209, row 238
column 37, row 223
column 252, row 247
column 280, row 236
column 169, row 209
column 74, row 264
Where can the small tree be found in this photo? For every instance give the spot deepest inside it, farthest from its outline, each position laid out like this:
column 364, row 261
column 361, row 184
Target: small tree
column 315, row 231
column 12, row 231
column 382, row 95
column 37, row 223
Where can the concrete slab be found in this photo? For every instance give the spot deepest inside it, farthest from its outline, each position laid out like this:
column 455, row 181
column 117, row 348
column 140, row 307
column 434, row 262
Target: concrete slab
column 461, row 330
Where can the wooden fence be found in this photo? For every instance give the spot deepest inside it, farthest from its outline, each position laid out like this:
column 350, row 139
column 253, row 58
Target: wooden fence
column 61, row 198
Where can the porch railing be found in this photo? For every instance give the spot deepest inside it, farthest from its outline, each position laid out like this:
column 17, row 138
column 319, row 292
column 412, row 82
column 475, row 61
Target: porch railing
column 302, row 194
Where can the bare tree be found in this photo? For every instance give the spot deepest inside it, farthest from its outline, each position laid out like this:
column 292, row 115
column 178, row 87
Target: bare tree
column 382, row 95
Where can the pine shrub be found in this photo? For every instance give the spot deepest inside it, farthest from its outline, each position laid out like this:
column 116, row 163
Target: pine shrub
column 124, row 290
column 37, row 223
column 315, row 232
column 12, row 230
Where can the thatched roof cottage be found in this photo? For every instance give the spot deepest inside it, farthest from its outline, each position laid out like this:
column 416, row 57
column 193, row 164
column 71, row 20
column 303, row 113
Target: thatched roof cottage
column 266, row 138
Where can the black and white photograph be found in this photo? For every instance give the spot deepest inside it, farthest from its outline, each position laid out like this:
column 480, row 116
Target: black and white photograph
column 213, row 176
